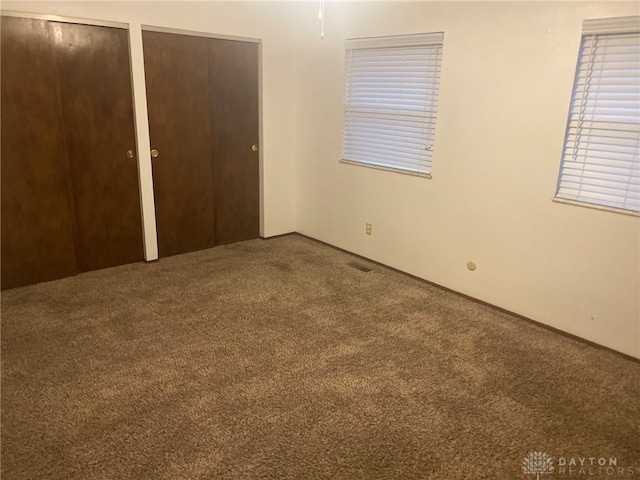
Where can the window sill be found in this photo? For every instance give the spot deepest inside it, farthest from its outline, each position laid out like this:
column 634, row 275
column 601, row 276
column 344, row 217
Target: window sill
column 596, row 207
column 387, row 169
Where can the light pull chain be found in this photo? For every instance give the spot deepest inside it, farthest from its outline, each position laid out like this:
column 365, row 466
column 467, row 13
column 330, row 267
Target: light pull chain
column 321, row 18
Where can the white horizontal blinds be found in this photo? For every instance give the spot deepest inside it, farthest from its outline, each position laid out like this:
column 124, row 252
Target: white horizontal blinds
column 601, row 157
column 391, row 101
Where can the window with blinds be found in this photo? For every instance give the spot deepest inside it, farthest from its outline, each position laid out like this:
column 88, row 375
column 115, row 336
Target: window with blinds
column 391, row 101
column 601, row 155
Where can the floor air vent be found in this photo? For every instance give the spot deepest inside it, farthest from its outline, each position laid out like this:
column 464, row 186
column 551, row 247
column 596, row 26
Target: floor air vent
column 361, row 267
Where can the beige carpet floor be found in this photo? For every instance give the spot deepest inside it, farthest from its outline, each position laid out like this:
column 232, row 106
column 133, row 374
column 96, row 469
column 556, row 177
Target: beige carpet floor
column 278, row 360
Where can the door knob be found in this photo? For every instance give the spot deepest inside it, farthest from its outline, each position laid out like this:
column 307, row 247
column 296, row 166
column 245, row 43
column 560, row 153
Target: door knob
column 254, row 148
column 154, row 153
column 130, row 154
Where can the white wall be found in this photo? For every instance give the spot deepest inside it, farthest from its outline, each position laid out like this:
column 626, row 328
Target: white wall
column 506, row 82
column 507, row 76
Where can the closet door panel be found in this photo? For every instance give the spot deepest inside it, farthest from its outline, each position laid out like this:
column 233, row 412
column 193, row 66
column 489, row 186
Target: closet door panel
column 179, row 114
column 97, row 110
column 37, row 225
column 233, row 77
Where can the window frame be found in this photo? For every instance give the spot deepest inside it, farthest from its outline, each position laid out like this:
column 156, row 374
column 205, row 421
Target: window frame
column 592, row 27
column 428, row 120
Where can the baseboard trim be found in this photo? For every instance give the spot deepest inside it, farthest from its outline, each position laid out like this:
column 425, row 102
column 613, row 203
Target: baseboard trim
column 280, row 235
column 473, row 299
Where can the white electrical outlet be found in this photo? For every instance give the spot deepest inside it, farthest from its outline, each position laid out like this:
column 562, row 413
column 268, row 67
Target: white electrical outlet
column 367, row 229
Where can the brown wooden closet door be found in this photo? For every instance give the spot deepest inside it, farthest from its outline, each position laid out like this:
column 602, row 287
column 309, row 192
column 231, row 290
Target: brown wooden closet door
column 37, row 226
column 179, row 105
column 97, row 109
column 233, row 77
